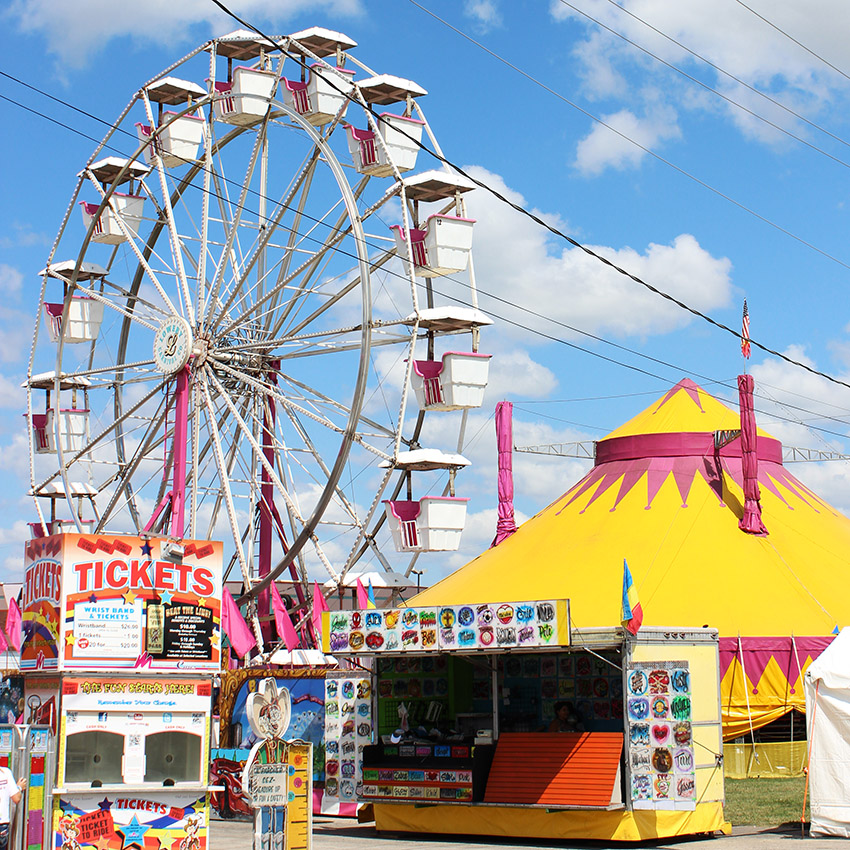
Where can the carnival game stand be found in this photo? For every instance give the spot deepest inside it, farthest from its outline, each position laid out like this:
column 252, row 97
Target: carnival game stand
column 465, row 695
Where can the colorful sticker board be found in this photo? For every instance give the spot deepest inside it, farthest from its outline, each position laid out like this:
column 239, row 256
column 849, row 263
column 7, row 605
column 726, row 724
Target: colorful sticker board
column 348, row 729
column 134, row 726
column 114, row 603
column 451, row 628
column 660, row 735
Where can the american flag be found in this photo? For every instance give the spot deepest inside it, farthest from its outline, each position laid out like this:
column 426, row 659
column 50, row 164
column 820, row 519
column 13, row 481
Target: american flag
column 745, row 332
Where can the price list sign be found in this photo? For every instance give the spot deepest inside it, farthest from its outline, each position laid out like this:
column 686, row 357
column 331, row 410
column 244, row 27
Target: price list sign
column 108, row 628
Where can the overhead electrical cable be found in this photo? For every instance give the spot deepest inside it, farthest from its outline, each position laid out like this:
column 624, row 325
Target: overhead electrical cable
column 791, row 38
column 814, row 125
column 623, row 136
column 707, row 87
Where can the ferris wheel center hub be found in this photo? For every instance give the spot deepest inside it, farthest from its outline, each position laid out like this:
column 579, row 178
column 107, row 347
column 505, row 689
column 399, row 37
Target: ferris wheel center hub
column 172, row 345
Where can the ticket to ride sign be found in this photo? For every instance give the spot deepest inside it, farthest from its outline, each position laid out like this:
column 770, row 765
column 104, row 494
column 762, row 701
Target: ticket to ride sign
column 106, row 602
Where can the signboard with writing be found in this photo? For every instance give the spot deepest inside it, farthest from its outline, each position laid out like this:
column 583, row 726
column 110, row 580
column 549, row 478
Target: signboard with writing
column 660, row 736
column 497, row 626
column 269, row 785
column 111, row 603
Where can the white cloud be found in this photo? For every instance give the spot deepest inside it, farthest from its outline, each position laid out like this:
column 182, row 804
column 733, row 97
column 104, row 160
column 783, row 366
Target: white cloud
column 485, row 13
column 522, row 264
column 604, row 148
column 75, row 32
column 11, row 281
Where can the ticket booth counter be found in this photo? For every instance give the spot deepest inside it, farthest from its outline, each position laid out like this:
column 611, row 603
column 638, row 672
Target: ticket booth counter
column 121, row 642
column 477, row 757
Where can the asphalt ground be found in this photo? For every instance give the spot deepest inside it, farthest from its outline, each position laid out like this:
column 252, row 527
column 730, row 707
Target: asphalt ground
column 346, row 834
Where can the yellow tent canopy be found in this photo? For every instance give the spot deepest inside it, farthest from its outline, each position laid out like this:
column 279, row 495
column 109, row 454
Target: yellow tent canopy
column 664, row 497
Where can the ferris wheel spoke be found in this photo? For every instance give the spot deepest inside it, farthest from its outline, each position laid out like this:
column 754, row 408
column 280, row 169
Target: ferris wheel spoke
column 126, row 472
column 344, row 409
column 225, row 484
column 332, row 300
column 317, row 457
column 133, row 316
column 137, row 299
column 248, row 434
column 91, row 444
column 231, row 460
column 232, row 230
column 304, row 181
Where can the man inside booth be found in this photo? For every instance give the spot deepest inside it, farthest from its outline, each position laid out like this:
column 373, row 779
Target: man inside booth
column 566, row 719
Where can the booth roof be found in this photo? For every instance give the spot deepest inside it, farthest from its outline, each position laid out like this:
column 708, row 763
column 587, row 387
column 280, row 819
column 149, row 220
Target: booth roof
column 660, row 497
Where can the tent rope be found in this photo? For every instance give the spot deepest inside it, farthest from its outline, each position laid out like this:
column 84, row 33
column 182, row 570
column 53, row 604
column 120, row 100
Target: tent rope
column 747, row 695
column 808, row 762
column 800, row 676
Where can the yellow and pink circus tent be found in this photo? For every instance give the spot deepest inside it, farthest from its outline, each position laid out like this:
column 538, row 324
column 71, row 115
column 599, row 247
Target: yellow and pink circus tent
column 666, row 493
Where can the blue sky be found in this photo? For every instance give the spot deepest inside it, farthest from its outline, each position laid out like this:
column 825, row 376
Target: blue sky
column 725, row 205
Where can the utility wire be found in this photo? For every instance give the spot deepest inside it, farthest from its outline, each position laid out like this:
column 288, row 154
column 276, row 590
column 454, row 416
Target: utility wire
column 720, row 70
column 707, row 87
column 791, row 38
column 623, row 136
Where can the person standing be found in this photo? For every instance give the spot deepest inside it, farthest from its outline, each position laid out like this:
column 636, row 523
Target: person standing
column 10, row 792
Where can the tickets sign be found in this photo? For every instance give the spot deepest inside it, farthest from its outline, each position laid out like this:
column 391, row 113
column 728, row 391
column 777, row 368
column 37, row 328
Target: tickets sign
column 106, row 602
column 495, row 626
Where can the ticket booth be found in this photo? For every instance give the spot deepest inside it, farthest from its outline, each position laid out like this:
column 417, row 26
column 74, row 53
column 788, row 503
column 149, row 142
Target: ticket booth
column 121, row 641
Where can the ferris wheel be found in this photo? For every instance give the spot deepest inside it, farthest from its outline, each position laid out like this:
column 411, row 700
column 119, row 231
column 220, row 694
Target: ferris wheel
column 258, row 321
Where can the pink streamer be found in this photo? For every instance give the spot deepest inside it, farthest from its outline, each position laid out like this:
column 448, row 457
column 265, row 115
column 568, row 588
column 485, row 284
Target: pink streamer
column 751, row 521
column 506, row 524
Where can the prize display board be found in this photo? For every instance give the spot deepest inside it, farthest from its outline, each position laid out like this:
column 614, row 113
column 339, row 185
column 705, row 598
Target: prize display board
column 537, row 682
column 111, row 603
column 348, row 729
column 495, row 626
column 660, row 735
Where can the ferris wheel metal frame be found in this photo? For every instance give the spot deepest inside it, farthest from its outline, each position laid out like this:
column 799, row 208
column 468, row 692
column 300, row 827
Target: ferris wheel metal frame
column 224, row 366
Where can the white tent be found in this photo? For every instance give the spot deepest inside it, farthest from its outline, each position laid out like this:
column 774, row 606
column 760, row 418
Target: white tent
column 828, row 718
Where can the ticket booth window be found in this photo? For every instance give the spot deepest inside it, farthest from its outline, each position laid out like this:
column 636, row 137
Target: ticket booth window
column 172, row 757
column 94, row 757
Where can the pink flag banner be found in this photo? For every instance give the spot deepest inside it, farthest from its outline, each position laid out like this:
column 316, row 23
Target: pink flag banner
column 13, row 625
column 362, row 596
column 506, row 524
column 319, row 605
column 751, row 521
column 234, row 626
column 285, row 629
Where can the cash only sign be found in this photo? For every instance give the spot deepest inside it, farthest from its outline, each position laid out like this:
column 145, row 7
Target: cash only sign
column 278, row 774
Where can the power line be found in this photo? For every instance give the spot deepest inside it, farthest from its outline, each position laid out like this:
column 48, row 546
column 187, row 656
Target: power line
column 791, row 38
column 723, row 71
column 276, row 46
column 707, row 87
column 631, row 141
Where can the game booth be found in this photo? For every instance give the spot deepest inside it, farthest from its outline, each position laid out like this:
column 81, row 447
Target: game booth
column 464, row 701
column 122, row 638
